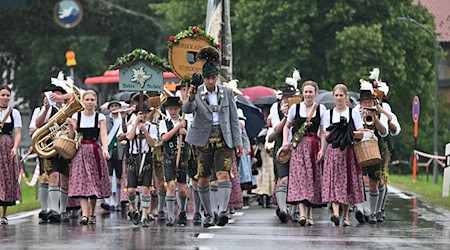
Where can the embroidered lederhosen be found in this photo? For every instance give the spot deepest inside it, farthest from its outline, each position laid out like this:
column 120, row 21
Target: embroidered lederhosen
column 56, row 163
column 135, row 176
column 171, row 171
column 280, row 170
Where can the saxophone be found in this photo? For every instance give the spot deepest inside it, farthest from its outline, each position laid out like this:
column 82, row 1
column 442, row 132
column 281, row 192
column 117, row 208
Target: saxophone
column 42, row 139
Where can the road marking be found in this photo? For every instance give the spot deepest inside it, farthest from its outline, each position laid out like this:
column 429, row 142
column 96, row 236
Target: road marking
column 238, row 214
column 215, row 227
column 245, row 207
column 23, row 215
column 399, row 193
column 205, row 236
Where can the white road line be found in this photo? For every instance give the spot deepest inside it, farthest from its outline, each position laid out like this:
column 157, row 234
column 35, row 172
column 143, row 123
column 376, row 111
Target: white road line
column 238, row 214
column 205, row 236
column 23, row 215
column 399, row 193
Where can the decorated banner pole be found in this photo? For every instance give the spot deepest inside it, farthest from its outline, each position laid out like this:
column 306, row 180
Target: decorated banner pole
column 415, row 117
column 140, row 71
column 183, row 49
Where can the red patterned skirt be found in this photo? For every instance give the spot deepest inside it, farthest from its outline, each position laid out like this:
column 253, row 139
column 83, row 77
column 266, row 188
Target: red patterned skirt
column 9, row 173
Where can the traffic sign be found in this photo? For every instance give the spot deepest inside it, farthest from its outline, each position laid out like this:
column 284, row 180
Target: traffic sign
column 415, row 109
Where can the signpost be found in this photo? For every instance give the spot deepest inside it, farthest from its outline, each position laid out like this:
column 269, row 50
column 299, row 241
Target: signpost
column 446, row 181
column 415, row 117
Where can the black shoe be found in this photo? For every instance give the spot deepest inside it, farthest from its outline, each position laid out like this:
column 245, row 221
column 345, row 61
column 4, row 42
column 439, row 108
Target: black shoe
column 105, row 206
column 232, row 210
column 43, row 216
column 278, row 212
column 53, row 216
column 135, row 217
column 208, row 221
column 64, row 217
column 380, row 217
column 296, row 218
column 197, row 220
column 359, row 215
column 335, row 220
column 216, row 218
column 283, row 216
column 161, row 215
column 246, row 201
column 170, row 222
column 372, row 219
column 182, row 220
column 223, row 219
column 145, row 222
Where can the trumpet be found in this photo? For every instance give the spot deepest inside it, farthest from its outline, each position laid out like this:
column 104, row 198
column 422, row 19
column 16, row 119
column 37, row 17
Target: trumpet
column 367, row 115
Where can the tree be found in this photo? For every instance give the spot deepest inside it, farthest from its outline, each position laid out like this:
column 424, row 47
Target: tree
column 37, row 46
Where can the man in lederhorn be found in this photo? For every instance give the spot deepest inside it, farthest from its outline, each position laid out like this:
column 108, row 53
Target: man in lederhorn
column 215, row 131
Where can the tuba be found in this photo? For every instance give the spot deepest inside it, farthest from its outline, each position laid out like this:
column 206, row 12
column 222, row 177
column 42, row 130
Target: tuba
column 42, row 139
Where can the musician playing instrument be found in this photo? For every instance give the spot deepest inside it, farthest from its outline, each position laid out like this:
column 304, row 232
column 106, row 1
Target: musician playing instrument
column 342, row 179
column 305, row 171
column 56, row 167
column 215, row 131
column 88, row 177
column 372, row 121
column 394, row 129
column 170, row 130
column 10, row 129
column 142, row 136
column 277, row 120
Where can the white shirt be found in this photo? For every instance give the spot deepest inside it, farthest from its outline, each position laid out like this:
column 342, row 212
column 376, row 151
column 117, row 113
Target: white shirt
column 337, row 117
column 394, row 120
column 213, row 99
column 49, row 112
column 163, row 125
column 88, row 121
column 134, row 144
column 293, row 111
column 15, row 114
column 35, row 115
column 274, row 120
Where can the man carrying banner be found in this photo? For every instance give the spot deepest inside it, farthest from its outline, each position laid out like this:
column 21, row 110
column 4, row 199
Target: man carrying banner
column 215, row 131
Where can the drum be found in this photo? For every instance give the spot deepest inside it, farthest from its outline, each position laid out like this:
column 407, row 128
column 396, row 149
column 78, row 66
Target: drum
column 367, row 153
column 283, row 156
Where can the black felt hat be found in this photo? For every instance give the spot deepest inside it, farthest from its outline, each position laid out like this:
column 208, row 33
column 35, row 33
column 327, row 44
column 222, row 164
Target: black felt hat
column 181, row 85
column 287, row 89
column 365, row 95
column 114, row 102
column 173, row 101
column 54, row 88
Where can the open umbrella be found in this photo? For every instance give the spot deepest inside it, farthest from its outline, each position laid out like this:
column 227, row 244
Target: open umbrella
column 265, row 100
column 255, row 119
column 123, row 96
column 257, row 91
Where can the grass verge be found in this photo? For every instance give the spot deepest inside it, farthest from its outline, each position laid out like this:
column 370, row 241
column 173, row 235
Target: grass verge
column 429, row 192
column 28, row 202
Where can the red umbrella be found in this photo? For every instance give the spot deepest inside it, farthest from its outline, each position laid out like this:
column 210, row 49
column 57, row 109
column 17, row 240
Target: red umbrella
column 257, row 92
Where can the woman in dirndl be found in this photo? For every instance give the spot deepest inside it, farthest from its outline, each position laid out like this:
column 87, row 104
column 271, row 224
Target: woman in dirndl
column 89, row 178
column 305, row 172
column 10, row 128
column 342, row 178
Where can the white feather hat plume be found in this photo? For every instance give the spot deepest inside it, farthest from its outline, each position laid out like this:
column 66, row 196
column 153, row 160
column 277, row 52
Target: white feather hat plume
column 383, row 87
column 375, row 74
column 232, row 84
column 293, row 81
column 365, row 85
column 296, row 75
column 61, row 82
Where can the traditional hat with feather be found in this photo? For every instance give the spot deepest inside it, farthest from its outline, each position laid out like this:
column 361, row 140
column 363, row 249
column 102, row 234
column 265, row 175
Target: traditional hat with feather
column 232, row 84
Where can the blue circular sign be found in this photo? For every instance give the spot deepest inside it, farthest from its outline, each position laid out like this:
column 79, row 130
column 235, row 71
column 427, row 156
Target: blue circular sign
column 68, row 13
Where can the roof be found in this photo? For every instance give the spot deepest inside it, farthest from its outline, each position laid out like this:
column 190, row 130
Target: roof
column 440, row 9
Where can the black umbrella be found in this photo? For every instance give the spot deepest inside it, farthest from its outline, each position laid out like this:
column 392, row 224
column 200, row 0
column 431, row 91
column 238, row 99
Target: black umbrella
column 265, row 100
column 123, row 96
column 255, row 119
column 326, row 98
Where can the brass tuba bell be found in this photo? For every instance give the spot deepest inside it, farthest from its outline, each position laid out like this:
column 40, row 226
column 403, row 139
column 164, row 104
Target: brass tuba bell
column 42, row 139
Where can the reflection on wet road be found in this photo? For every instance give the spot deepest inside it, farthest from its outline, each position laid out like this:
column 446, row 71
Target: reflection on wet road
column 410, row 224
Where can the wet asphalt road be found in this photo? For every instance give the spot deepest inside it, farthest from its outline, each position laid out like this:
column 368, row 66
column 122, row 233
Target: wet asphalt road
column 410, row 224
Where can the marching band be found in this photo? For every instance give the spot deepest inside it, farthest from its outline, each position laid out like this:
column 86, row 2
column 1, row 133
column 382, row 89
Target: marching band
column 157, row 150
